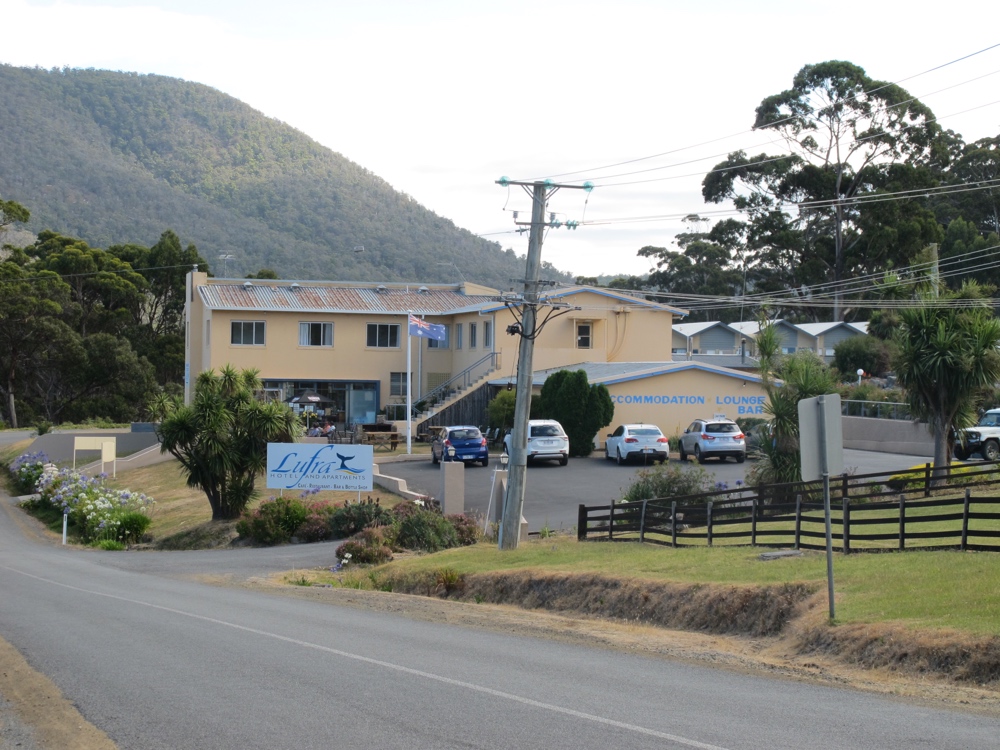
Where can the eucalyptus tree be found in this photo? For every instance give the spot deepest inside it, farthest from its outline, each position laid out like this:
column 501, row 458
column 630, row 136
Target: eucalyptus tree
column 846, row 135
column 221, row 438
column 31, row 305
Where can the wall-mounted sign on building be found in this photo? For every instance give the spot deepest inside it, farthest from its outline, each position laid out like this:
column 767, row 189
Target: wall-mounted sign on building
column 307, row 466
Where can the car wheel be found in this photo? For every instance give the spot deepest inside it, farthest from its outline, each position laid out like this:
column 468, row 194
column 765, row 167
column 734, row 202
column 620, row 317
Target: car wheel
column 486, row 461
column 618, row 458
column 698, row 455
column 961, row 453
column 991, row 450
column 564, row 460
column 434, row 458
column 683, row 453
column 741, row 458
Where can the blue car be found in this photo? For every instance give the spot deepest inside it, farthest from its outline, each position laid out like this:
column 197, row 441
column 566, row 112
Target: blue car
column 463, row 443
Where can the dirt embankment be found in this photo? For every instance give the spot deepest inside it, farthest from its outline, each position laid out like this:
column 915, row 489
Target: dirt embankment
column 781, row 628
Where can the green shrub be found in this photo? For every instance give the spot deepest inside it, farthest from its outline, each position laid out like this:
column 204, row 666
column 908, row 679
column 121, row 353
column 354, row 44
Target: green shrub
column 44, row 427
column 467, row 529
column 274, row 521
column 317, row 526
column 352, row 518
column 110, row 544
column 132, row 525
column 426, row 530
column 367, row 547
column 668, row 480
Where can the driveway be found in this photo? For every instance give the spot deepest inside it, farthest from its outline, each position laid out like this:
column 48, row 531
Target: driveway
column 554, row 493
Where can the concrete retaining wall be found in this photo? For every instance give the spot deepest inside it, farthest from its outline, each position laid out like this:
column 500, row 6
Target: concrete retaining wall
column 888, row 436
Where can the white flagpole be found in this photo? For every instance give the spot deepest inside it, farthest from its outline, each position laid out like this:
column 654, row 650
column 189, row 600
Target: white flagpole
column 409, row 388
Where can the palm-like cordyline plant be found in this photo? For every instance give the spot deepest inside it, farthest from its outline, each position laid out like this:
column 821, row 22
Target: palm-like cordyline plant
column 221, row 439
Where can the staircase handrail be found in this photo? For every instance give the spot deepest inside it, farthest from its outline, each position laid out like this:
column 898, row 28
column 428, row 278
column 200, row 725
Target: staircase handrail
column 438, row 392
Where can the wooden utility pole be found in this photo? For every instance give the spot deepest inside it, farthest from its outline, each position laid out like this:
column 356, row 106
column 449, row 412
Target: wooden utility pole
column 510, row 523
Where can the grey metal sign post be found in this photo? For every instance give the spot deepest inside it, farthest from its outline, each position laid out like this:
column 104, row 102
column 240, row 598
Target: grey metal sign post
column 821, row 445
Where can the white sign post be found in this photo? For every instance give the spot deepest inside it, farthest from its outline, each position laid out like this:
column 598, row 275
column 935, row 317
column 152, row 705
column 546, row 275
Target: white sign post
column 308, row 466
column 821, row 445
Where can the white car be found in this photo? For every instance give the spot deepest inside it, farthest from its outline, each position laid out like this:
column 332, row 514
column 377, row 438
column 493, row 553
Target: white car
column 640, row 442
column 547, row 440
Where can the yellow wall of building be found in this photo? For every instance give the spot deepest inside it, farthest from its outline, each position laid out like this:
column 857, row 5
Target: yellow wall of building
column 673, row 400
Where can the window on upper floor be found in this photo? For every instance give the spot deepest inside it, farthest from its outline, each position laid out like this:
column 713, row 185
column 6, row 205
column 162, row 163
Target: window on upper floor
column 247, row 333
column 458, row 335
column 315, row 334
column 584, row 337
column 383, row 335
column 443, row 344
column 473, row 330
column 487, row 334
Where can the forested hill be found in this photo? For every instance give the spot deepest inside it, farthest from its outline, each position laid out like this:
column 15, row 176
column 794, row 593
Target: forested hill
column 114, row 158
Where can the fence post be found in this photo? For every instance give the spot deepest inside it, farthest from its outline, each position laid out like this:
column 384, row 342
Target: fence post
column 965, row 520
column 642, row 523
column 902, row 521
column 798, row 518
column 673, row 523
column 708, row 520
column 927, row 480
column 846, row 513
column 581, row 523
column 611, row 519
column 844, row 489
column 753, row 522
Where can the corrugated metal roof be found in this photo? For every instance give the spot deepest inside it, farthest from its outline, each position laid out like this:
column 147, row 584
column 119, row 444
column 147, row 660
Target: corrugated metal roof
column 274, row 297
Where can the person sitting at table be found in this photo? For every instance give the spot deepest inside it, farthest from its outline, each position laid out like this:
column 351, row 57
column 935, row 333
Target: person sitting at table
column 313, row 431
column 327, row 429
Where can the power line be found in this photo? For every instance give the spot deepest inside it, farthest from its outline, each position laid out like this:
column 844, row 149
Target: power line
column 777, row 122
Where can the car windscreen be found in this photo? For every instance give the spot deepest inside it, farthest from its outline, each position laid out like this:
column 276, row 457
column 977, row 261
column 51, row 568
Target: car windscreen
column 545, row 430
column 644, row 431
column 469, row 433
column 722, row 427
column 989, row 420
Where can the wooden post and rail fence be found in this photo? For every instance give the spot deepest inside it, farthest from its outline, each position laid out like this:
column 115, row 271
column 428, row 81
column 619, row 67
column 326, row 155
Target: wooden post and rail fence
column 872, row 513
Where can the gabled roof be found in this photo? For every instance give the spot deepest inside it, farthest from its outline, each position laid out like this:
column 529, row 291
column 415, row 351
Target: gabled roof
column 818, row 329
column 305, row 297
column 693, row 329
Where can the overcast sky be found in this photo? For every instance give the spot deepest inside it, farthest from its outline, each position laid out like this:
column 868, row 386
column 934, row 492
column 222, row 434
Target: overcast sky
column 441, row 97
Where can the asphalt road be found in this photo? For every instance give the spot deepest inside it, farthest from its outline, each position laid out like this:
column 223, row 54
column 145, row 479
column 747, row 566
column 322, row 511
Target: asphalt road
column 158, row 660
column 553, row 493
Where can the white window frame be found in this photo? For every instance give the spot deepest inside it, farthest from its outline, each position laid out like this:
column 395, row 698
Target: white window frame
column 589, row 335
column 397, row 384
column 458, row 335
column 487, row 334
column 473, row 335
column 307, row 329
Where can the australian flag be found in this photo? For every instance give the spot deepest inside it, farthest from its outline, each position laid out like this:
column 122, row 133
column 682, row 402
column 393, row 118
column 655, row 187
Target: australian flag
column 420, row 327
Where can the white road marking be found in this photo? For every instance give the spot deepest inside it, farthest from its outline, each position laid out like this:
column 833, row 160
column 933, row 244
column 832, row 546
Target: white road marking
column 396, row 667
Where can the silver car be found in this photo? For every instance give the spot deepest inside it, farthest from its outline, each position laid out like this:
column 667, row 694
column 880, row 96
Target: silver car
column 706, row 438
column 639, row 442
